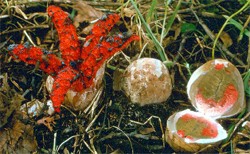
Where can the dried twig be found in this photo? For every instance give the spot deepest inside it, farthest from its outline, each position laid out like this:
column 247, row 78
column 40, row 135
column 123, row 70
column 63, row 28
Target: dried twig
column 240, row 121
column 219, row 44
column 149, row 121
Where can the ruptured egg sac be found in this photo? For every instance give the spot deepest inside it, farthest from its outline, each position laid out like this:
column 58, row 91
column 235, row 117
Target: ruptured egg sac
column 147, row 81
column 189, row 131
column 216, row 89
column 79, row 101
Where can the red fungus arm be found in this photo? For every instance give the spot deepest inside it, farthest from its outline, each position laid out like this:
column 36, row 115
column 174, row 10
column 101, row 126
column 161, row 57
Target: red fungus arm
column 103, row 26
column 61, row 85
column 69, row 43
column 100, row 30
column 120, row 42
column 99, row 47
column 49, row 63
column 101, row 52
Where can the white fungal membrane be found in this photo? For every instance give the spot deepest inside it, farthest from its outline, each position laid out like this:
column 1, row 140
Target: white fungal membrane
column 147, row 81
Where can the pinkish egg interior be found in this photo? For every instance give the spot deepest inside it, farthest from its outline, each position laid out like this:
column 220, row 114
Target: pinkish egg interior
column 194, row 127
column 216, row 91
column 228, row 98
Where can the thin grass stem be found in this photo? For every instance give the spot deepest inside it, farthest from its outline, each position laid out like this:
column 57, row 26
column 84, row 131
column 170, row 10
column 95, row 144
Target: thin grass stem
column 224, row 25
column 158, row 46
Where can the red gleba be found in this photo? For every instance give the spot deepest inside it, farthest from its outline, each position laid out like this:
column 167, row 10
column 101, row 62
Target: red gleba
column 219, row 66
column 191, row 127
column 77, row 66
column 182, row 134
column 230, row 96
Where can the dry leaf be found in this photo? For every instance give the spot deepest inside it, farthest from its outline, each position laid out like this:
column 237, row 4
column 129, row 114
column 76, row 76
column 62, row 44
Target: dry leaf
column 128, row 12
column 48, row 122
column 85, row 12
column 146, row 131
column 177, row 30
column 167, row 40
column 246, row 124
column 117, row 151
column 9, row 101
column 66, row 151
column 117, row 83
column 87, row 29
column 19, row 138
column 226, row 39
column 19, row 11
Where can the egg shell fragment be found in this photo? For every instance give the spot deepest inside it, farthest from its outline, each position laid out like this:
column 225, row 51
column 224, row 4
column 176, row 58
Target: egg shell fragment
column 189, row 131
column 79, row 101
column 216, row 89
column 32, row 108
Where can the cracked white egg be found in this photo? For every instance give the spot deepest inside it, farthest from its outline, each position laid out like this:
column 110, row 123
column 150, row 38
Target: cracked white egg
column 147, row 81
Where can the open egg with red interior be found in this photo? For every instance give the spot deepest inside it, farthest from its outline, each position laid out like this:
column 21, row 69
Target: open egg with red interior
column 189, row 131
column 216, row 90
column 79, row 101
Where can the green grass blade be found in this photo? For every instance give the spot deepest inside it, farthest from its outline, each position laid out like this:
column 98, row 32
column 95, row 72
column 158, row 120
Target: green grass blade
column 151, row 11
column 238, row 26
column 226, row 22
column 232, row 126
column 158, row 46
column 172, row 18
column 246, row 80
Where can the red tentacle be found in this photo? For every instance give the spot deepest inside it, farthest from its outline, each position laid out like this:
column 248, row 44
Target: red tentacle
column 49, row 63
column 97, row 49
column 118, row 43
column 26, row 54
column 62, row 84
column 103, row 26
column 100, row 52
column 100, row 30
column 69, row 43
